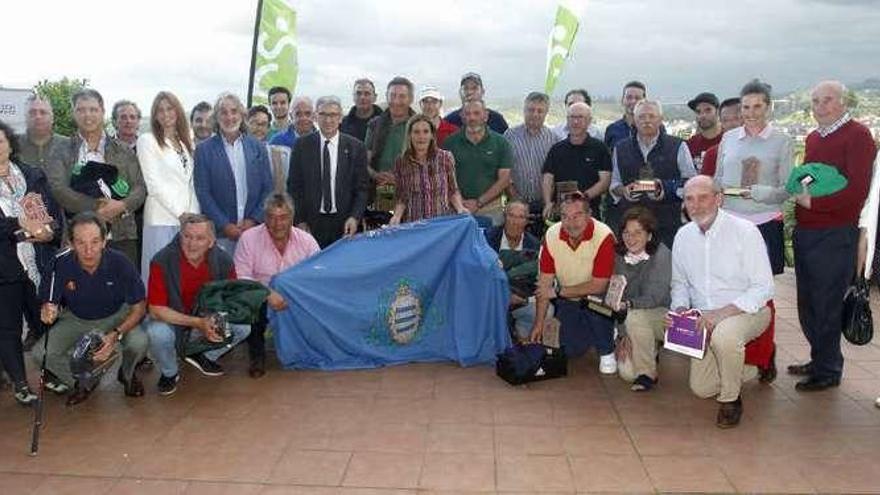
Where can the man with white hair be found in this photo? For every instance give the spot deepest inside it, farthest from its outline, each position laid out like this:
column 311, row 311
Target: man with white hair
column 530, row 143
column 39, row 140
column 303, row 123
column 580, row 158
column 328, row 178
column 650, row 169
column 826, row 235
column 720, row 267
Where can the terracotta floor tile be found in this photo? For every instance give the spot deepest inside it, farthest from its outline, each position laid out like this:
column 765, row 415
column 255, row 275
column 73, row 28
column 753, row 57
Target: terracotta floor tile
column 401, row 411
column 855, row 474
column 591, row 440
column 464, row 438
column 610, row 473
column 193, row 463
column 148, row 487
column 523, row 412
column 524, row 440
column 534, row 473
column 205, row 488
column 310, row 467
column 74, row 485
column 23, row 484
column 474, row 411
column 459, row 472
column 752, row 474
column 668, row 440
column 383, row 470
column 677, row 473
column 381, row 437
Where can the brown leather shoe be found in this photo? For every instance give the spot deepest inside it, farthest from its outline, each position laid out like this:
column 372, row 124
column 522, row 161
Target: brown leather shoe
column 729, row 414
column 800, row 369
column 79, row 394
column 768, row 374
column 257, row 368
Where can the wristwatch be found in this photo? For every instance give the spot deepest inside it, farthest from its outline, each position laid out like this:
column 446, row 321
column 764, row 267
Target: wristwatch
column 119, row 334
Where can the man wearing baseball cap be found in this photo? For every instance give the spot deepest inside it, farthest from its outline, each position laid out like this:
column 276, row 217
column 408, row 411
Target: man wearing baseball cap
column 471, row 88
column 430, row 102
column 708, row 134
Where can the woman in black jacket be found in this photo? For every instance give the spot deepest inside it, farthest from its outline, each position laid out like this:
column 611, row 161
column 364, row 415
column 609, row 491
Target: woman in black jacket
column 26, row 246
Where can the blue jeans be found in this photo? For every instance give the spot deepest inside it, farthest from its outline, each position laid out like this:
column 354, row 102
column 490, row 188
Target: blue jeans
column 163, row 338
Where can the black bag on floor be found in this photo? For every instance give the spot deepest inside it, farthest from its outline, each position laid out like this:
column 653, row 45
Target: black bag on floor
column 858, row 323
column 528, row 363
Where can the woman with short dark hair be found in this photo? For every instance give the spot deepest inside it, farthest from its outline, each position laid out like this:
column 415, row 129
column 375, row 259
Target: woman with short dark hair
column 647, row 265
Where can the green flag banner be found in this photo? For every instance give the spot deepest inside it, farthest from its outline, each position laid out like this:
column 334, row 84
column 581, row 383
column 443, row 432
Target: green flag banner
column 559, row 47
column 274, row 61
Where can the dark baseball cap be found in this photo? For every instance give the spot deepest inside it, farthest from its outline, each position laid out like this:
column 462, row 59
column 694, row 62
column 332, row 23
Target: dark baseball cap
column 703, row 98
column 472, row 76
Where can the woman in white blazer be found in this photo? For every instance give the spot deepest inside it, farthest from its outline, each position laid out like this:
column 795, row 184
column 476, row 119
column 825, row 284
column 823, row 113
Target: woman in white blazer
column 165, row 155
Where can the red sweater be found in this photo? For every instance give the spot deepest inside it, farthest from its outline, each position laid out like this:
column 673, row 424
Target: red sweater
column 852, row 150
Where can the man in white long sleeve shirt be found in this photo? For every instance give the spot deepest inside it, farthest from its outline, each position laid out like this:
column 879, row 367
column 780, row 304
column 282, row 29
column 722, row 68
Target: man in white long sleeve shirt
column 720, row 267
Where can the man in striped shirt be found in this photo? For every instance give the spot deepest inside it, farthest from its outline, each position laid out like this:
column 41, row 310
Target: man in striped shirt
column 530, row 143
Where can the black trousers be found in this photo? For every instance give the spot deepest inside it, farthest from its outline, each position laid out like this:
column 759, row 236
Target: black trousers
column 824, row 261
column 257, row 338
column 11, row 313
column 774, row 238
column 327, row 229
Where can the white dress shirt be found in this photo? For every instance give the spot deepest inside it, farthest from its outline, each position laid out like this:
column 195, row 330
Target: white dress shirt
column 334, row 153
column 727, row 264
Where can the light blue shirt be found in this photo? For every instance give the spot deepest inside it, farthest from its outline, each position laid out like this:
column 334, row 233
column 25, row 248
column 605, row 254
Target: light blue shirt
column 235, row 153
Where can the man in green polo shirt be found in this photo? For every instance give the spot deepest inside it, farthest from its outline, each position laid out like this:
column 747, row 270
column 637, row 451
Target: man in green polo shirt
column 482, row 162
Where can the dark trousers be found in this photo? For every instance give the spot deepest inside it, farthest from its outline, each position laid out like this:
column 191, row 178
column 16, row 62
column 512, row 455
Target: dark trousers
column 257, row 338
column 774, row 238
column 824, row 261
column 36, row 327
column 11, row 312
column 580, row 329
column 327, row 229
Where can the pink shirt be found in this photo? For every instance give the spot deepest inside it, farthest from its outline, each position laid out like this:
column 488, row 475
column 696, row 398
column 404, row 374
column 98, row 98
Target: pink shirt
column 257, row 258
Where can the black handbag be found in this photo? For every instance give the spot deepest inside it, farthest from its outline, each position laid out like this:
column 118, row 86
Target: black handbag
column 858, row 323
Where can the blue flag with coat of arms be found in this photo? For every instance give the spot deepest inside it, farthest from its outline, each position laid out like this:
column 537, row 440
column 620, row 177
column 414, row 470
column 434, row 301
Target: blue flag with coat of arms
column 423, row 291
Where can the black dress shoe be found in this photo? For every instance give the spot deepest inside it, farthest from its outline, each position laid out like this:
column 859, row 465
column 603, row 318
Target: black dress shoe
column 729, row 414
column 800, row 369
column 79, row 394
column 257, row 368
column 814, row 384
column 768, row 374
column 133, row 388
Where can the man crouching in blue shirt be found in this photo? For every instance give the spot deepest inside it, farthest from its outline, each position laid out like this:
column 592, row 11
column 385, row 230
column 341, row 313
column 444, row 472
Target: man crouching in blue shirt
column 94, row 289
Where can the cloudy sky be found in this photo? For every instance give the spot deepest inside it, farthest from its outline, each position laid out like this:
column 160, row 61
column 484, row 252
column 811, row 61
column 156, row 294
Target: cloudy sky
column 197, row 48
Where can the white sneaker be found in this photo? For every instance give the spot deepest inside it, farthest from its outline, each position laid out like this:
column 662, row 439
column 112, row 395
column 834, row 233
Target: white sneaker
column 608, row 364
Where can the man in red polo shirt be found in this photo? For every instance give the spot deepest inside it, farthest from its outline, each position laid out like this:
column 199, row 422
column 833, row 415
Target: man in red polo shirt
column 705, row 106
column 578, row 253
column 177, row 273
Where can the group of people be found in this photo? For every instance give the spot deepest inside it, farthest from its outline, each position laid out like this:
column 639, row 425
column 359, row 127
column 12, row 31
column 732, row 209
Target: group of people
column 236, row 193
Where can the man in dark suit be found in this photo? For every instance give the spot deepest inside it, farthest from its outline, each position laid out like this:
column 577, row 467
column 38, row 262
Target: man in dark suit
column 328, row 177
column 232, row 175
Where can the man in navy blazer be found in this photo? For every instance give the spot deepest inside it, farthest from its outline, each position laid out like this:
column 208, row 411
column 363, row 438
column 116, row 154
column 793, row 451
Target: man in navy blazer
column 232, row 175
column 328, row 177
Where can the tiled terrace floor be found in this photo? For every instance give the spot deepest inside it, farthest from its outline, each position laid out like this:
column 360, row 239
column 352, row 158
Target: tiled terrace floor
column 440, row 428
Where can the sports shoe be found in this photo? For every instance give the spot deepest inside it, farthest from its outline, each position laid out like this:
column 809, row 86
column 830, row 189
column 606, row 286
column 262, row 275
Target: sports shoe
column 55, row 385
column 168, row 384
column 23, row 395
column 204, row 365
column 608, row 364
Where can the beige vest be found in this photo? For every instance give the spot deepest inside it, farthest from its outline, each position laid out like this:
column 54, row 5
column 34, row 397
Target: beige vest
column 575, row 267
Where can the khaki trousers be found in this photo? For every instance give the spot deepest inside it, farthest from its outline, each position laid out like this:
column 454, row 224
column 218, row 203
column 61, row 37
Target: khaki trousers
column 645, row 328
column 722, row 370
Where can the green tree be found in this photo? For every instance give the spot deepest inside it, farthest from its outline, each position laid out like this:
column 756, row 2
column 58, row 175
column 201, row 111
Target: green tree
column 58, row 94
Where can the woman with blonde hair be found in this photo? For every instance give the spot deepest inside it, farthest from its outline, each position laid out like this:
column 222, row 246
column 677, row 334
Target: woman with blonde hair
column 424, row 176
column 165, row 154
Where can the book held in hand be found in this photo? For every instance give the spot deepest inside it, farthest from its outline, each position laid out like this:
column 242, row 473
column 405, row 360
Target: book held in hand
column 684, row 335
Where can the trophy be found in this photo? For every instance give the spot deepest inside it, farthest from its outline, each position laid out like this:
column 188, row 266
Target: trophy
column 564, row 188
column 385, row 197
column 645, row 183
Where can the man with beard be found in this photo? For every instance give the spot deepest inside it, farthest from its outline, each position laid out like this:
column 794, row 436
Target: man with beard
column 201, row 119
column 708, row 134
column 279, row 102
column 720, row 268
column 482, row 163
